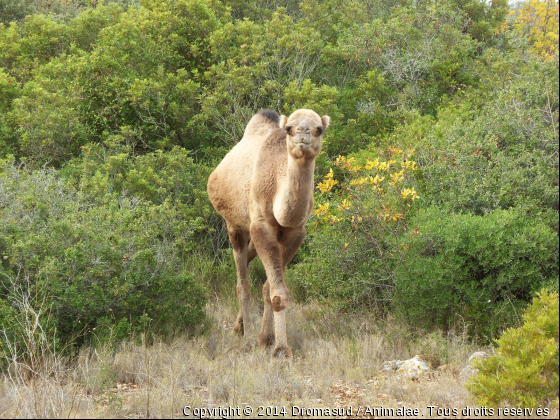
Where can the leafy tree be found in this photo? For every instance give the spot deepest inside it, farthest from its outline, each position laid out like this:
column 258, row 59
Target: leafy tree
column 497, row 147
column 12, row 10
column 254, row 64
column 27, row 46
column 538, row 21
column 9, row 90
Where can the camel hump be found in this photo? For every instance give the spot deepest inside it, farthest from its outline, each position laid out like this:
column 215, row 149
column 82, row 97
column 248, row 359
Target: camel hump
column 270, row 114
column 262, row 124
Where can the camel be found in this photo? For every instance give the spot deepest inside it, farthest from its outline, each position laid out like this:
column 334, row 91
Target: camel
column 263, row 188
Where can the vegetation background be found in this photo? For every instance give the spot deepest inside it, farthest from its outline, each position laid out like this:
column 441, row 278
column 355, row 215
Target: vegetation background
column 436, row 219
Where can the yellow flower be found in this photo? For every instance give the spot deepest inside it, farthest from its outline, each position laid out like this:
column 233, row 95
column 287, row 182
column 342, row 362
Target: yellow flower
column 345, row 205
column 385, row 166
column 356, row 218
column 395, row 150
column 359, row 181
column 332, row 219
column 328, row 183
column 395, row 217
column 372, row 164
column 345, row 163
column 398, row 176
column 322, row 209
column 409, row 193
column 410, row 165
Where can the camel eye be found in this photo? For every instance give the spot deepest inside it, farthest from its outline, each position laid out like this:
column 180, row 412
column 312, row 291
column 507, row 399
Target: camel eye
column 288, row 129
column 319, row 131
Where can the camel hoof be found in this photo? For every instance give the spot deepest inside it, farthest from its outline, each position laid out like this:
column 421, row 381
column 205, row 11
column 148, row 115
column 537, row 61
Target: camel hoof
column 238, row 328
column 265, row 340
column 283, row 351
column 247, row 346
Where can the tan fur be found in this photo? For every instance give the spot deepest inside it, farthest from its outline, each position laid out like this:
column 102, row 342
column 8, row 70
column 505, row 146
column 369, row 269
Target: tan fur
column 263, row 188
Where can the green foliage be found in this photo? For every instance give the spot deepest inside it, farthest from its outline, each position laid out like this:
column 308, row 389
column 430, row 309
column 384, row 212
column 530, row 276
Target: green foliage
column 406, row 51
column 483, row 17
column 47, row 115
column 499, row 150
column 9, row 90
column 86, row 28
column 479, row 270
column 33, row 43
column 118, row 234
column 254, row 63
column 524, row 370
column 105, row 252
column 11, row 10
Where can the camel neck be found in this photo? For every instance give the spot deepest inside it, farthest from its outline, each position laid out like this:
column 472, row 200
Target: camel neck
column 292, row 201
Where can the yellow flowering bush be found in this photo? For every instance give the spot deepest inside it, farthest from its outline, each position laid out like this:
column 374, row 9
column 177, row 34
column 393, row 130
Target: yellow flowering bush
column 363, row 204
column 383, row 180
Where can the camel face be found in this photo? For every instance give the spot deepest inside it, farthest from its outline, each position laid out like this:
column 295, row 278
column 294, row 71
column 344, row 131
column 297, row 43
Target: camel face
column 304, row 129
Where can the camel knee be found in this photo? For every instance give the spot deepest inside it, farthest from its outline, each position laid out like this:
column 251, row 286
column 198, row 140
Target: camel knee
column 279, row 303
column 279, row 297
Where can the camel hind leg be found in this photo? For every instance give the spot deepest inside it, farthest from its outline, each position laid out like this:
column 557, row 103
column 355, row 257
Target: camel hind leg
column 266, row 335
column 240, row 242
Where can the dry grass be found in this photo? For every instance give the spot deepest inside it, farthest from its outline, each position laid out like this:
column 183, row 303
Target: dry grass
column 337, row 364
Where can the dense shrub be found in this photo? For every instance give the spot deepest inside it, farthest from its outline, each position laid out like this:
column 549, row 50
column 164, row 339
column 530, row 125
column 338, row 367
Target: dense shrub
column 496, row 151
column 360, row 219
column 98, row 254
column 524, row 370
column 478, row 270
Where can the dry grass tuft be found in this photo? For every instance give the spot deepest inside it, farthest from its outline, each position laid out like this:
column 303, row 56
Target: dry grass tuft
column 337, row 363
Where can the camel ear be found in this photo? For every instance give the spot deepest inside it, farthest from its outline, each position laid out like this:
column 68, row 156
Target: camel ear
column 325, row 120
column 283, row 121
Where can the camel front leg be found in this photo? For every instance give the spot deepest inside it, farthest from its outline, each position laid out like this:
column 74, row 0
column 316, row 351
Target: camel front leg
column 290, row 240
column 269, row 249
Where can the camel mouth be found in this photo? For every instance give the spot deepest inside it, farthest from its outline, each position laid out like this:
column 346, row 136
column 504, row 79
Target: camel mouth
column 303, row 144
column 302, row 141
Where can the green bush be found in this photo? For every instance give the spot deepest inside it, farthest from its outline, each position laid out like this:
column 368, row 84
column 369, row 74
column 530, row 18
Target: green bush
column 524, row 370
column 478, row 270
column 102, row 252
column 9, row 90
column 494, row 147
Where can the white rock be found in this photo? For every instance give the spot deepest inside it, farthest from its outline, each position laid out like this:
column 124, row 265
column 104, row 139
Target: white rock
column 413, row 368
column 469, row 370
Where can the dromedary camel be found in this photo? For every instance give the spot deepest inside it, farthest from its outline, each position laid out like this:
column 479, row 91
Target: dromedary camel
column 264, row 190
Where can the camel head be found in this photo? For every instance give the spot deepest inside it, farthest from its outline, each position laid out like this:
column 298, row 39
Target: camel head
column 304, row 133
